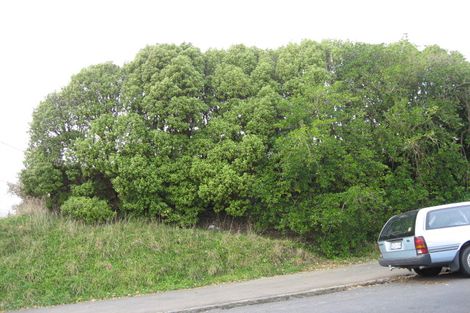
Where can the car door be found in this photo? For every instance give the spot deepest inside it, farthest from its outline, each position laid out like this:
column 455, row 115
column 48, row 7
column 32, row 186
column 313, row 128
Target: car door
column 446, row 230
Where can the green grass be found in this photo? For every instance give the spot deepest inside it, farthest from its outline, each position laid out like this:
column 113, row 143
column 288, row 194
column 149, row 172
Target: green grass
column 46, row 260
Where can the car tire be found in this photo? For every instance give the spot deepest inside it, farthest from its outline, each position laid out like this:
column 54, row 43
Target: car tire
column 465, row 261
column 428, row 271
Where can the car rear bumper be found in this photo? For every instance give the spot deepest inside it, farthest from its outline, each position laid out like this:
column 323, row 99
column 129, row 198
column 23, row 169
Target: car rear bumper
column 419, row 260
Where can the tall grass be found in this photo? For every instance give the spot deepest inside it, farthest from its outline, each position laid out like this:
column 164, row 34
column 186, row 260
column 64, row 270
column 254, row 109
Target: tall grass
column 30, row 206
column 46, row 260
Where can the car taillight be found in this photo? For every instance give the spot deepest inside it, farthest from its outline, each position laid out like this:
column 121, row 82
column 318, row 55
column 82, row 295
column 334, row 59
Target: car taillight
column 420, row 245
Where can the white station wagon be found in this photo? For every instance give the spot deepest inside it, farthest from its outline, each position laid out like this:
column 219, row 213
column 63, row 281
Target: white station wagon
column 428, row 239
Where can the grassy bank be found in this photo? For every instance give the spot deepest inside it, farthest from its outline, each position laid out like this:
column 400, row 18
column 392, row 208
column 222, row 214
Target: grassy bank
column 47, row 260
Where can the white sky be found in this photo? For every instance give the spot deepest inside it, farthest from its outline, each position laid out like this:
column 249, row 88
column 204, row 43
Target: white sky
column 43, row 43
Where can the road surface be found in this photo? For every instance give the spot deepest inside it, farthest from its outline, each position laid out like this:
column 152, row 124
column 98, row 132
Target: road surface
column 449, row 293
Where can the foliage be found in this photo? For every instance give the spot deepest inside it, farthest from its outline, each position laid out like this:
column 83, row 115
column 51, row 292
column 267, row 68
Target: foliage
column 324, row 140
column 88, row 210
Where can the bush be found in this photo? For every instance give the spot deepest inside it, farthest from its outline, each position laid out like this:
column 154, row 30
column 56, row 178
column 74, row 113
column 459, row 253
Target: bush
column 88, row 210
column 350, row 220
column 325, row 140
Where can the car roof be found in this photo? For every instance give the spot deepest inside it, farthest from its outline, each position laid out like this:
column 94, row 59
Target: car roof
column 445, row 206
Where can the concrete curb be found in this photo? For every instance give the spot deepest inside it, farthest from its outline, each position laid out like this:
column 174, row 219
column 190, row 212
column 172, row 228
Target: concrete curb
column 288, row 296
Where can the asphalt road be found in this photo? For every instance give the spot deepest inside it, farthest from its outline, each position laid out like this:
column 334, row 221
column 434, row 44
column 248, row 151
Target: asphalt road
column 449, row 293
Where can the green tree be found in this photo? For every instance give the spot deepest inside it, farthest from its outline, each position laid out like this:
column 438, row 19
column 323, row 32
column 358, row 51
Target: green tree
column 325, row 140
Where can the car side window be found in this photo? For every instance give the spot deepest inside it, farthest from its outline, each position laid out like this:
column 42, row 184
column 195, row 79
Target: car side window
column 449, row 217
column 466, row 212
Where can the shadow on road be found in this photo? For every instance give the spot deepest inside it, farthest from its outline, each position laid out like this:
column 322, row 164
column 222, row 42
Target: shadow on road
column 442, row 278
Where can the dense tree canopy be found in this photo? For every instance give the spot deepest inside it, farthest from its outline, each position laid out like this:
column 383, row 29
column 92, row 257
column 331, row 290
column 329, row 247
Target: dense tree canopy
column 325, row 140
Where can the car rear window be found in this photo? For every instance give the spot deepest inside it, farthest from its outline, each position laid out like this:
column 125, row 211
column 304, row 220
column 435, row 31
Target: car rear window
column 449, row 217
column 399, row 226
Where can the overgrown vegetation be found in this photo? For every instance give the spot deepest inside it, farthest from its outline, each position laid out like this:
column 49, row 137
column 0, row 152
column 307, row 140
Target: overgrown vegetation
column 325, row 140
column 47, row 260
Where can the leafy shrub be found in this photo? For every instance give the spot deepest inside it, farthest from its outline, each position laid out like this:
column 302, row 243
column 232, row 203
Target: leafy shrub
column 350, row 220
column 88, row 210
column 325, row 140
column 84, row 190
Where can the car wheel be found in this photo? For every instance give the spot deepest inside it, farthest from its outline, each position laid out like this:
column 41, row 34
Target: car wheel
column 465, row 261
column 428, row 271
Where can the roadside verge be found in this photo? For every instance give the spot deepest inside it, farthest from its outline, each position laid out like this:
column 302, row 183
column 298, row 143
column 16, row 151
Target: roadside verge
column 231, row 295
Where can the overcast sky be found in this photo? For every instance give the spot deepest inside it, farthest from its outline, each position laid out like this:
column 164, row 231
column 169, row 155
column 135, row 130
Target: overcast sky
column 43, row 43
